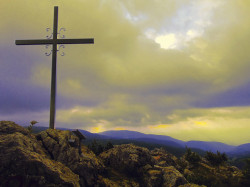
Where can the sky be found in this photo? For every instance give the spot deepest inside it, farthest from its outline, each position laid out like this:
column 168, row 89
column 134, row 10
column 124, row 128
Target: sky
column 171, row 67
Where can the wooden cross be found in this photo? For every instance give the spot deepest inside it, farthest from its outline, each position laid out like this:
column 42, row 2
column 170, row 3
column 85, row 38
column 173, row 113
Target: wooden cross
column 54, row 42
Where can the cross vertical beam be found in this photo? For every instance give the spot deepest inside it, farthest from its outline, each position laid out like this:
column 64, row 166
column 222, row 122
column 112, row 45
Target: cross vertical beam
column 53, row 72
column 54, row 42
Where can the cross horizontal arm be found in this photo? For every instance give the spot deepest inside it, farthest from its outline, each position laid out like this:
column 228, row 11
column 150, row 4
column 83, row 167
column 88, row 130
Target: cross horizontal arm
column 34, row 42
column 75, row 41
column 58, row 41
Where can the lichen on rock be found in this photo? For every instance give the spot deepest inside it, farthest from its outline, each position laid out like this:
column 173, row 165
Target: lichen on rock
column 127, row 158
column 24, row 162
column 61, row 149
column 57, row 158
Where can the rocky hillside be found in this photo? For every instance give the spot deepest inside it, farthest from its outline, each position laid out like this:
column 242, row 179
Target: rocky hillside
column 56, row 158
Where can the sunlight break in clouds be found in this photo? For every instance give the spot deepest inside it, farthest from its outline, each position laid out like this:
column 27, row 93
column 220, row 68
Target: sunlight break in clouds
column 167, row 41
column 164, row 66
column 186, row 24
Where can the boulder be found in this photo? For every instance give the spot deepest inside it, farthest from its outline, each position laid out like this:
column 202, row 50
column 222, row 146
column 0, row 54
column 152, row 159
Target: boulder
column 128, row 159
column 163, row 176
column 206, row 174
column 191, row 185
column 9, row 127
column 153, row 178
column 117, row 182
column 163, row 158
column 57, row 143
column 65, row 147
column 172, row 177
column 140, row 163
column 23, row 162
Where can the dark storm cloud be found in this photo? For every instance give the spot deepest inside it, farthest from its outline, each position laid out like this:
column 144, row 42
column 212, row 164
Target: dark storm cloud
column 236, row 96
column 18, row 96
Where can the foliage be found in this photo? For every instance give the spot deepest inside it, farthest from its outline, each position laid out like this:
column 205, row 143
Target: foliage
column 246, row 170
column 216, row 159
column 109, row 146
column 204, row 177
column 239, row 161
column 246, row 173
column 32, row 123
column 98, row 148
column 192, row 157
column 177, row 151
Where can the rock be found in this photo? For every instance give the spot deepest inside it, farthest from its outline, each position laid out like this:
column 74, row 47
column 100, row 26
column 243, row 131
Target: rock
column 56, row 158
column 191, row 185
column 118, row 182
column 147, row 167
column 128, row 158
column 23, row 162
column 57, row 143
column 187, row 172
column 107, row 182
column 163, row 158
column 153, row 178
column 206, row 174
column 137, row 162
column 9, row 127
column 172, row 177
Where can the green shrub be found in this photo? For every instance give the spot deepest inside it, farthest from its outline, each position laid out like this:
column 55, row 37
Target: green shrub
column 192, row 157
column 246, row 170
column 108, row 146
column 32, row 123
column 216, row 159
column 98, row 148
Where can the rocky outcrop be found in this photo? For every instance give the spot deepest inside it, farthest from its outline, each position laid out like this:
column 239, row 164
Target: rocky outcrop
column 53, row 157
column 128, row 159
column 204, row 173
column 56, row 158
column 24, row 162
column 150, row 168
column 172, row 177
column 191, row 185
column 163, row 158
column 65, row 147
column 9, row 127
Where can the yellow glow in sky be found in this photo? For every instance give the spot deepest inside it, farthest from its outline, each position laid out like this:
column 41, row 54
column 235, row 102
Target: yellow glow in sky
column 200, row 123
column 178, row 68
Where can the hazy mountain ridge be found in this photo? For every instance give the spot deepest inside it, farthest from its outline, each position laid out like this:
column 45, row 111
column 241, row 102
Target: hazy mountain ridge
column 125, row 134
column 243, row 149
column 210, row 146
column 231, row 150
column 167, row 140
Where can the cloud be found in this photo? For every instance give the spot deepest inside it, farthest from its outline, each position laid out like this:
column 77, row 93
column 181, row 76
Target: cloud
column 149, row 60
column 229, row 125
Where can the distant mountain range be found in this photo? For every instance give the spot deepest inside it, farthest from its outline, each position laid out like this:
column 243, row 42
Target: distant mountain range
column 240, row 150
column 167, row 140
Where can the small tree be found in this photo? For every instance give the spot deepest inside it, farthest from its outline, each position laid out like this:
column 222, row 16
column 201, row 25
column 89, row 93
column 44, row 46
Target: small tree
column 96, row 147
column 100, row 149
column 32, row 123
column 216, row 159
column 108, row 146
column 246, row 170
column 192, row 157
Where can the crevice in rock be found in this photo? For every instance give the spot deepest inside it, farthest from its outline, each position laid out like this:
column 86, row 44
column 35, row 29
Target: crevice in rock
column 47, row 150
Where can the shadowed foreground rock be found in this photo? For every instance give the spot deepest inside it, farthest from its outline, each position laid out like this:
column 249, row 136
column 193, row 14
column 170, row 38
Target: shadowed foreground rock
column 56, row 142
column 56, row 158
column 24, row 162
column 140, row 163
